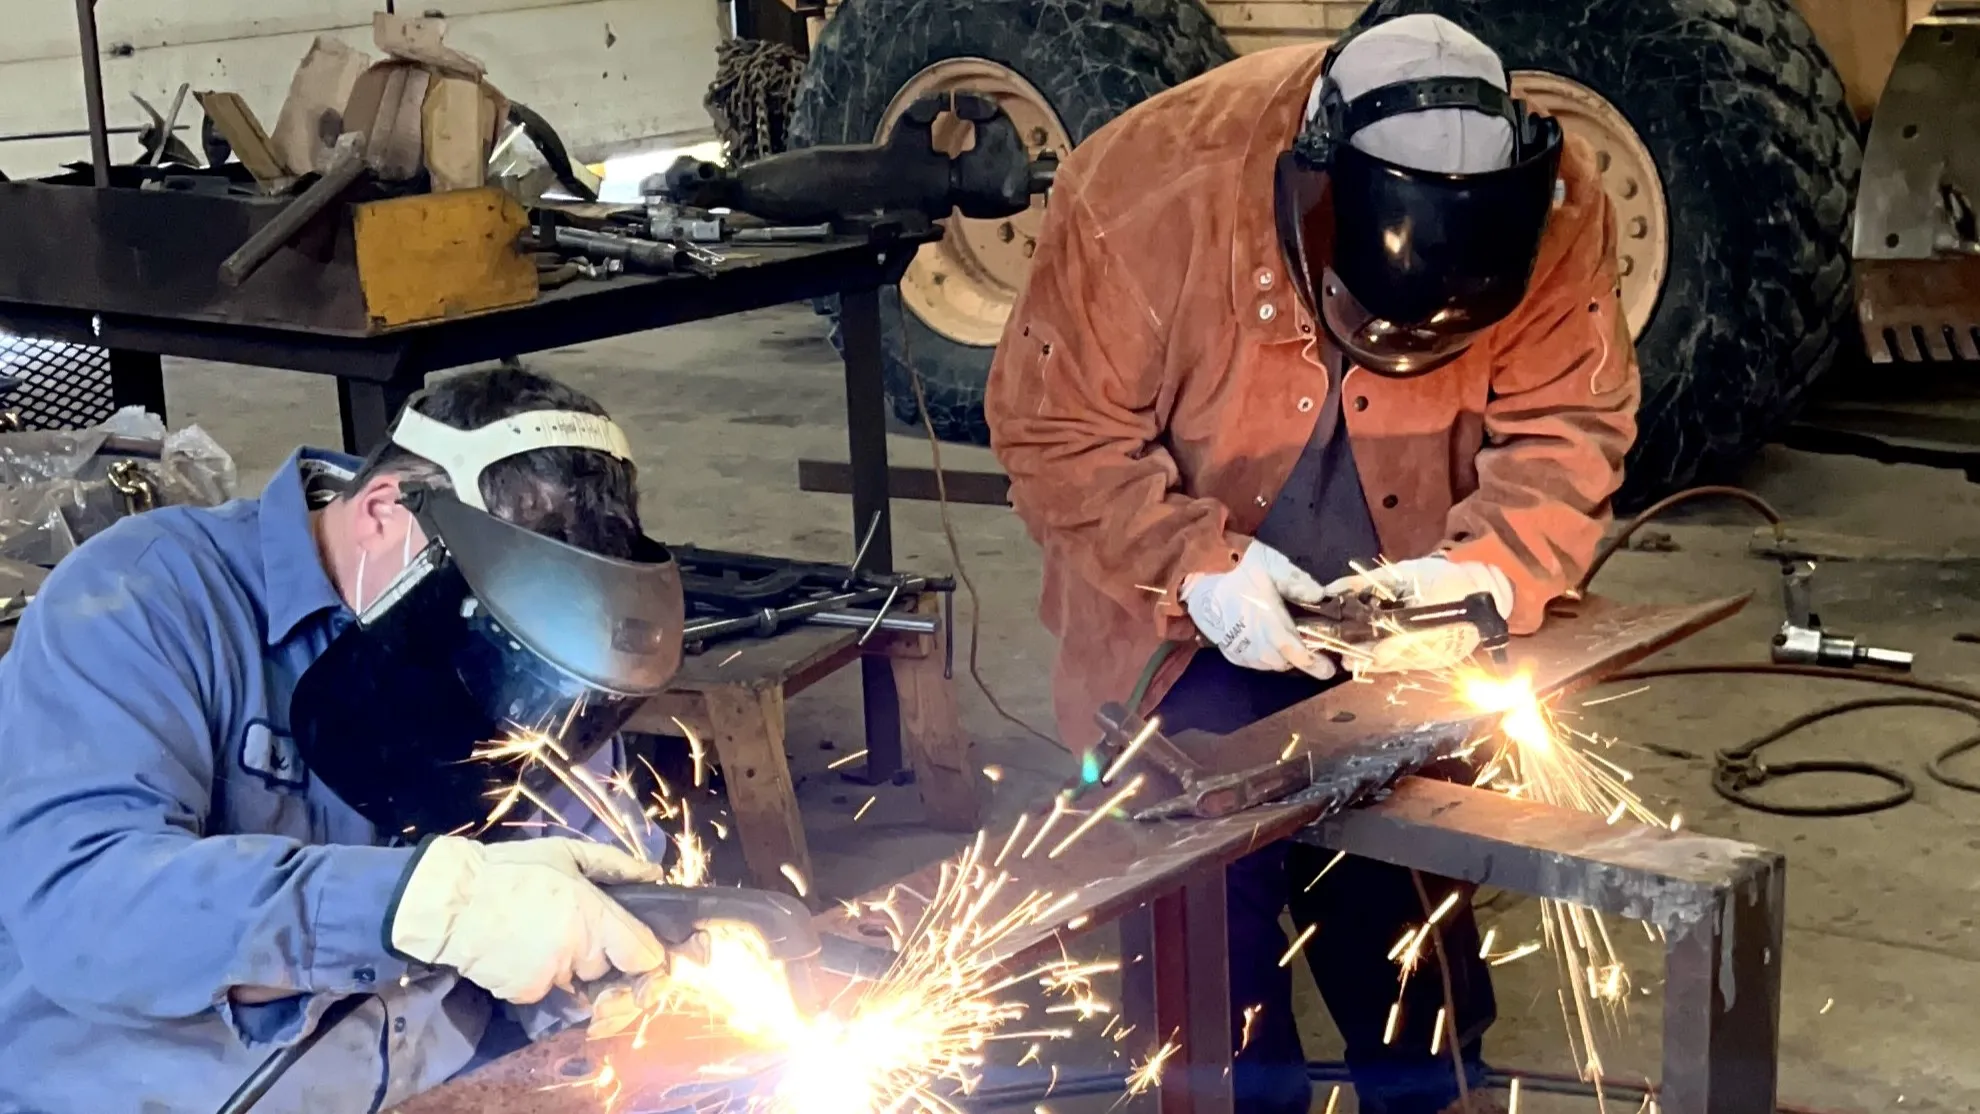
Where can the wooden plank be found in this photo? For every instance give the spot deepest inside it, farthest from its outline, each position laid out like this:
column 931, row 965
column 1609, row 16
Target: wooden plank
column 1313, row 20
column 440, row 255
column 455, row 133
column 747, row 736
column 1115, row 867
column 1253, row 42
column 234, row 120
column 932, row 734
column 312, row 115
column 1862, row 38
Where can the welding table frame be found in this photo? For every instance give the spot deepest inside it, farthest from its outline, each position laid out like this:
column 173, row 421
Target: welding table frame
column 377, row 372
column 1720, row 904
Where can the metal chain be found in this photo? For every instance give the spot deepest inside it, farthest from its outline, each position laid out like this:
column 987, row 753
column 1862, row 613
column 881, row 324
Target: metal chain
column 752, row 96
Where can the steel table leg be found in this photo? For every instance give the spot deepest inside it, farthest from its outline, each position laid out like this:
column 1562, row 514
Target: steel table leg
column 1722, row 1002
column 1176, row 985
column 366, row 409
column 866, row 437
column 1720, row 903
column 137, row 379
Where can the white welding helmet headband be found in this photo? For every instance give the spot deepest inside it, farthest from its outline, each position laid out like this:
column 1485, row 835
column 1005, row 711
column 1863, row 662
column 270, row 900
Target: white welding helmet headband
column 464, row 454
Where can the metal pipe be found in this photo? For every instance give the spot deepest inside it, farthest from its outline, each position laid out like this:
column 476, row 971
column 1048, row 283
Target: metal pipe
column 92, row 64
column 900, row 624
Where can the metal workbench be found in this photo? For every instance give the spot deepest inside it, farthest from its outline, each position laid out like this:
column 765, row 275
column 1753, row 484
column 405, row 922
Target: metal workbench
column 1719, row 903
column 376, row 372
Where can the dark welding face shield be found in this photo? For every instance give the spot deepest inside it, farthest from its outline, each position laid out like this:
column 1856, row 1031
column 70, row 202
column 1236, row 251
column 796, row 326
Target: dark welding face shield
column 1403, row 267
column 495, row 640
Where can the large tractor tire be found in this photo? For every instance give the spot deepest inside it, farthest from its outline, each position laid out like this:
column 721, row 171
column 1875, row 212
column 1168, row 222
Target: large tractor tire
column 1061, row 70
column 1732, row 159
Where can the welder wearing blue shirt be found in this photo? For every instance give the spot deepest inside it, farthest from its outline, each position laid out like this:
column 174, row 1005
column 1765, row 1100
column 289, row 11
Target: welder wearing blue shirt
column 212, row 825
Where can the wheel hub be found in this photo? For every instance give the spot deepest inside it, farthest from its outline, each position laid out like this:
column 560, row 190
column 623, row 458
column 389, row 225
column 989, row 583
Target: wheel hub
column 1629, row 176
column 963, row 286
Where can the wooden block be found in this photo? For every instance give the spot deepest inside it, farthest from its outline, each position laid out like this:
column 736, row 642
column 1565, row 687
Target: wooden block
column 1862, row 37
column 387, row 106
column 747, row 735
column 420, row 40
column 931, row 731
column 455, row 133
column 438, row 255
column 313, row 115
column 236, row 122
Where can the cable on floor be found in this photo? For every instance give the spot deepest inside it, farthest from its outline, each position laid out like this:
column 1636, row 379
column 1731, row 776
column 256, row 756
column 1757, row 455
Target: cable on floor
column 1738, row 771
column 955, row 547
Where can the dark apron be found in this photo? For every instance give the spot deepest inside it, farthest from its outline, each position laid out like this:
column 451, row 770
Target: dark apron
column 1322, row 523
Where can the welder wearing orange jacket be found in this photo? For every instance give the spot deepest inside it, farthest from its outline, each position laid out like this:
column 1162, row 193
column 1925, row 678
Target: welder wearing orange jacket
column 1313, row 307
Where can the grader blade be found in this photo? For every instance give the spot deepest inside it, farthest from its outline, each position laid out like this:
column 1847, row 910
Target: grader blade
column 1917, row 247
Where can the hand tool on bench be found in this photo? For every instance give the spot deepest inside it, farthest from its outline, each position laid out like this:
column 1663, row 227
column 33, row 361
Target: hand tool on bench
column 1377, row 634
column 346, row 165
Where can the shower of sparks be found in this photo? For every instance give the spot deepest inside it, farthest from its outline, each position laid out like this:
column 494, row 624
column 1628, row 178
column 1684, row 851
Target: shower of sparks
column 914, row 1039
column 695, row 751
column 796, row 879
column 1148, row 1074
column 1512, row 1098
column 847, row 760
column 994, row 773
column 1389, row 1030
column 1533, row 756
column 1134, row 746
column 1331, row 864
column 1826, row 1005
column 1105, row 810
column 1292, row 745
column 1299, row 942
column 1437, row 1033
column 1333, row 1098
column 864, row 807
column 728, row 659
column 1485, row 945
column 1250, row 1018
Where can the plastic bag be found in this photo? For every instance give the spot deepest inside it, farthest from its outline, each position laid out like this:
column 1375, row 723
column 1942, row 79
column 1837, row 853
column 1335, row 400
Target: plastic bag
column 59, row 489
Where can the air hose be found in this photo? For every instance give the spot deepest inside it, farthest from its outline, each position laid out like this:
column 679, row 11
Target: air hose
column 1738, row 771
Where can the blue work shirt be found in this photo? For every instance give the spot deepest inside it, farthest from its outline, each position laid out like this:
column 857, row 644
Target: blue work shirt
column 161, row 842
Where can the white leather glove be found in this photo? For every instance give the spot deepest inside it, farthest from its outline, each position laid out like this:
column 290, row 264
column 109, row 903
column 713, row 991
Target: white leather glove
column 1430, row 580
column 1244, row 612
column 517, row 919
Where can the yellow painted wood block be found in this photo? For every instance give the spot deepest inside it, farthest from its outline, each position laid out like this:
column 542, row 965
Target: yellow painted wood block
column 439, row 255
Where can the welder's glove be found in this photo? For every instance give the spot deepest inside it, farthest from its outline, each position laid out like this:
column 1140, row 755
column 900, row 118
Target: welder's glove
column 517, row 919
column 1431, row 580
column 1244, row 612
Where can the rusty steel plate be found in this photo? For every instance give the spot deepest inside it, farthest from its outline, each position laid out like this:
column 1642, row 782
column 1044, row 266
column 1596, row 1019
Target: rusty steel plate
column 1119, row 865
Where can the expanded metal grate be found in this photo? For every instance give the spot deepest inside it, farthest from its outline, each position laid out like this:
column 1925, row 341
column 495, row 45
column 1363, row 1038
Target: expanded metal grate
column 57, row 385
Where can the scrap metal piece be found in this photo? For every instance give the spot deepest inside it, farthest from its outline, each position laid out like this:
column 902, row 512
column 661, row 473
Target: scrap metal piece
column 1917, row 245
column 1203, row 795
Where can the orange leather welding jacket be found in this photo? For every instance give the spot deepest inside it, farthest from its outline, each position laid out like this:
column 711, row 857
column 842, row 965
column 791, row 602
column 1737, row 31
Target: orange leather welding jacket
column 1159, row 377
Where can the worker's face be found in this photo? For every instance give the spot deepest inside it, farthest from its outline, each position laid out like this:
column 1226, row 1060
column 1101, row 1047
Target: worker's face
column 385, row 534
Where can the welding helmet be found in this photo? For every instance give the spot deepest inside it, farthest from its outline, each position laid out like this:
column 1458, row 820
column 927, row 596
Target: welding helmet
column 492, row 633
column 1405, row 266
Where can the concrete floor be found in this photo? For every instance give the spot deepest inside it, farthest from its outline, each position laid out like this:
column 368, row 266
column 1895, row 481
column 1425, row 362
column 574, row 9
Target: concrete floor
column 1882, row 967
